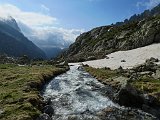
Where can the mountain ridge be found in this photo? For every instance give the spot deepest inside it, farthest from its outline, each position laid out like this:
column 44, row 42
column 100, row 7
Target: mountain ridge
column 14, row 43
column 100, row 41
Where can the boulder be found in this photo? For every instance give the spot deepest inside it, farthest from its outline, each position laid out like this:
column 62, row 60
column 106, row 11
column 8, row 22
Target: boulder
column 157, row 74
column 106, row 57
column 147, row 66
column 128, row 96
column 48, row 109
column 120, row 70
column 44, row 116
column 152, row 59
column 80, row 68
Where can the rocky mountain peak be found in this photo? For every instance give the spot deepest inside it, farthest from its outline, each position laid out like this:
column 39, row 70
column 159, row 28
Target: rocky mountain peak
column 11, row 22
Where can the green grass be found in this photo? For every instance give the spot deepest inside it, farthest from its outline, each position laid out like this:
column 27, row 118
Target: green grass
column 15, row 101
column 147, row 85
column 104, row 75
column 101, row 72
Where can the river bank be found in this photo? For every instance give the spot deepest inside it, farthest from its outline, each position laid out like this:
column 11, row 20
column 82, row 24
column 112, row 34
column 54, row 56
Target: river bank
column 137, row 87
column 20, row 88
column 76, row 95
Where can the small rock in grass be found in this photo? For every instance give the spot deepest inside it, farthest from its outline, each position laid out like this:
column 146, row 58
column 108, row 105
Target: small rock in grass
column 120, row 70
column 107, row 68
column 1, row 112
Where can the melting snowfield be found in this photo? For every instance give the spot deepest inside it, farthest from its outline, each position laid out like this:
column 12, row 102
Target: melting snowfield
column 131, row 57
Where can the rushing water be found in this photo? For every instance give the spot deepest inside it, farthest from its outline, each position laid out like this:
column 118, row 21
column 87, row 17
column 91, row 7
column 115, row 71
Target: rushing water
column 76, row 95
column 76, row 92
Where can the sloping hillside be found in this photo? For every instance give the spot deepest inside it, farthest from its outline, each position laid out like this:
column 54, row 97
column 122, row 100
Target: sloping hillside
column 14, row 43
column 100, row 41
column 11, row 22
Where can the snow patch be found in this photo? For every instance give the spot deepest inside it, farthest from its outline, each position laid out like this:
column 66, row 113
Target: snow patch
column 131, row 57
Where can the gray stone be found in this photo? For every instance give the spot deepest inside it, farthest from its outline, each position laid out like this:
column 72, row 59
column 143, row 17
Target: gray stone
column 128, row 96
column 48, row 109
column 146, row 73
column 44, row 116
column 1, row 112
column 152, row 60
column 106, row 57
column 157, row 74
column 120, row 70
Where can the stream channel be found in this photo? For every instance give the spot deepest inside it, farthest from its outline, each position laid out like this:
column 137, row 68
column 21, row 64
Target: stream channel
column 76, row 95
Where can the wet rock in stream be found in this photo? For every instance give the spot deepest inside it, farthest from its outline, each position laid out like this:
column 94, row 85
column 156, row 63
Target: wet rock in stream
column 44, row 116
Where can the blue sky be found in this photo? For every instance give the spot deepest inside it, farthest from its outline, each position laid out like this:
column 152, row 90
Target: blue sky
column 64, row 20
column 84, row 14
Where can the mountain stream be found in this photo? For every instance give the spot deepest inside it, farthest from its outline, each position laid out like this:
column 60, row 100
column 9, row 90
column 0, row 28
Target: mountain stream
column 76, row 95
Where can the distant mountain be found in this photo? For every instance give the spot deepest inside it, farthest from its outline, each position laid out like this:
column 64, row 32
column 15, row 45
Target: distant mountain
column 52, row 52
column 51, row 42
column 12, row 22
column 52, row 45
column 136, row 32
column 14, row 43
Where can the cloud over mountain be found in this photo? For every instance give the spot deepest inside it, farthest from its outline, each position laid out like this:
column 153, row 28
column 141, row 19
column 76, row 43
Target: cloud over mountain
column 40, row 27
column 29, row 18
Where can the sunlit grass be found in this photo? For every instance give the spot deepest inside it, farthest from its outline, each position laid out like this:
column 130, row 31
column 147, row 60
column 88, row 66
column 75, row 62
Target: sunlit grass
column 14, row 79
column 147, row 85
column 104, row 75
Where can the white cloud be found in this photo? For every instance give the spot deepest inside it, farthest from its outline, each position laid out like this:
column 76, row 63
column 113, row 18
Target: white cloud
column 39, row 27
column 52, row 36
column 67, row 34
column 45, row 8
column 29, row 18
column 148, row 4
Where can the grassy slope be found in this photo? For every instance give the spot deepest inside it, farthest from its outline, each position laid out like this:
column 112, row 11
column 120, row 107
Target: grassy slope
column 148, row 85
column 104, row 75
column 16, row 97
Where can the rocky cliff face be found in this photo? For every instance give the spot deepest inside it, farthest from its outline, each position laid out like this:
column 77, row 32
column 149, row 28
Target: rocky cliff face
column 107, row 39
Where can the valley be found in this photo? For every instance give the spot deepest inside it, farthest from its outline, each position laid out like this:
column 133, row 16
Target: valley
column 61, row 62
